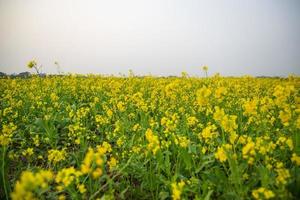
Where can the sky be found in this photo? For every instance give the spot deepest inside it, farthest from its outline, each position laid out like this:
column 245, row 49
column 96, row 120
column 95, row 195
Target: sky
column 158, row 37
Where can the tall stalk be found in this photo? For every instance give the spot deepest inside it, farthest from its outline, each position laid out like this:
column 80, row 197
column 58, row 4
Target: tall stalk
column 3, row 172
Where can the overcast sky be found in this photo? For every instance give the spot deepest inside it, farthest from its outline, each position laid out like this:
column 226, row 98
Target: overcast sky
column 161, row 37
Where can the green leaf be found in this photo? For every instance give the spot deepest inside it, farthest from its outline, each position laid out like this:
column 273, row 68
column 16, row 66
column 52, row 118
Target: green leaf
column 207, row 197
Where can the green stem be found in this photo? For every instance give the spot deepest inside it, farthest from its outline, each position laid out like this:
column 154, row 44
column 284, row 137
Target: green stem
column 151, row 177
column 223, row 136
column 121, row 170
column 3, row 172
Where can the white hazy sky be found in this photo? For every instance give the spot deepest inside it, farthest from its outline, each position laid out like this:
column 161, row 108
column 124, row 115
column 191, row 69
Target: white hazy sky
column 161, row 37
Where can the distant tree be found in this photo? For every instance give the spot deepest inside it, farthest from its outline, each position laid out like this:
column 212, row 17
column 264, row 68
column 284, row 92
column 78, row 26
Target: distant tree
column 24, row 74
column 42, row 74
column 2, row 74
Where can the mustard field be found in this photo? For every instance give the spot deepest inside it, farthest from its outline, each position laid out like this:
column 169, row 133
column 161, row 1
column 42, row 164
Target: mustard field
column 97, row 137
